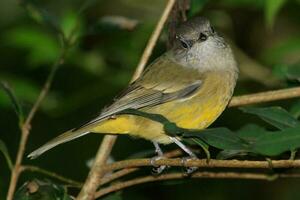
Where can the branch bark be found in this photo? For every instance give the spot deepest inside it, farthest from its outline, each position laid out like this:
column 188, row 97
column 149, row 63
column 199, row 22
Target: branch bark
column 219, row 175
column 263, row 97
column 202, row 163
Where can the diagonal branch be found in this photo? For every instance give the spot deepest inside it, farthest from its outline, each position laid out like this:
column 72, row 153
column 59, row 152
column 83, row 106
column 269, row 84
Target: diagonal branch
column 95, row 175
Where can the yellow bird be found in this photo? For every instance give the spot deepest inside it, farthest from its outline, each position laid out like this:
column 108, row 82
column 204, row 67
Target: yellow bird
column 190, row 85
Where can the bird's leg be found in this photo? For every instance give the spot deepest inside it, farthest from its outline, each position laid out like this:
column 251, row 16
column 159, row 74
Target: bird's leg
column 157, row 169
column 189, row 170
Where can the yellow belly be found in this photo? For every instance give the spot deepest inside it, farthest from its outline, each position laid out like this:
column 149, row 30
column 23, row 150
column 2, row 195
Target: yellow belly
column 197, row 112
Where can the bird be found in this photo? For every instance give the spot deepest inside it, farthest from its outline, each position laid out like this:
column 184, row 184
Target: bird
column 191, row 84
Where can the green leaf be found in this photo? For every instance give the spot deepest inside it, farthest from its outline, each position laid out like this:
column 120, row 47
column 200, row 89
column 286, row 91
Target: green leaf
column 272, row 8
column 221, row 138
column 295, row 110
column 275, row 143
column 15, row 102
column 275, row 116
column 203, row 146
column 226, row 154
column 71, row 26
column 4, row 150
column 196, row 6
column 42, row 47
column 41, row 190
column 251, row 132
column 293, row 72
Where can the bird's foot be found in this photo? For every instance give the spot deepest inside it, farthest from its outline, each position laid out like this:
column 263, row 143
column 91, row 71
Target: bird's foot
column 157, row 169
column 189, row 170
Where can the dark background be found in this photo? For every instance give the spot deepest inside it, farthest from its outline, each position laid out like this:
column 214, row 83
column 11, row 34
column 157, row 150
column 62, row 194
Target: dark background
column 265, row 36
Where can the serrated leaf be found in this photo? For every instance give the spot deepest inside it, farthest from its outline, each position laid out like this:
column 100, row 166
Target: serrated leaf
column 272, row 8
column 4, row 150
column 275, row 143
column 221, row 138
column 275, row 116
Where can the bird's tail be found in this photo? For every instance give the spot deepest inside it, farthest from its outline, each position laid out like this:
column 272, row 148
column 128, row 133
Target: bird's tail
column 65, row 137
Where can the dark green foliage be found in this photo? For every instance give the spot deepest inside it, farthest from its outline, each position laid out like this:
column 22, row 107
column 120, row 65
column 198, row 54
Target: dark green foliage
column 100, row 62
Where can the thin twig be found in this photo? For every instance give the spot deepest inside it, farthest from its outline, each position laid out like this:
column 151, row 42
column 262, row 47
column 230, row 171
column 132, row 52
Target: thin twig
column 153, row 39
column 25, row 128
column 263, row 97
column 51, row 174
column 91, row 183
column 215, row 175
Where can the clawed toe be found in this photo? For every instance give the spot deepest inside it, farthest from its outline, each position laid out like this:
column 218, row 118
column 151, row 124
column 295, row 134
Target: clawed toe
column 189, row 170
column 157, row 169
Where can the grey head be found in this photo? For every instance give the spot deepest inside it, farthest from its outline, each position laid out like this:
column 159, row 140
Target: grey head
column 198, row 44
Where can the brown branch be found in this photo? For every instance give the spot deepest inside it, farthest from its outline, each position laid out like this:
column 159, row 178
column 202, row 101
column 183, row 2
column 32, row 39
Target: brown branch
column 215, row 175
column 91, row 183
column 25, row 127
column 153, row 39
column 202, row 163
column 96, row 173
column 263, row 97
column 127, row 171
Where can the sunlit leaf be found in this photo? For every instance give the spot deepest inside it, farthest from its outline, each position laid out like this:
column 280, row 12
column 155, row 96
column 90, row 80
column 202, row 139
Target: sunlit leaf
column 275, row 116
column 42, row 47
column 272, row 8
column 4, row 150
column 71, row 26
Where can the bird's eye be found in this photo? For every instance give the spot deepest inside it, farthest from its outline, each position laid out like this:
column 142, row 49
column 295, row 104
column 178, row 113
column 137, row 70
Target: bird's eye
column 184, row 44
column 202, row 37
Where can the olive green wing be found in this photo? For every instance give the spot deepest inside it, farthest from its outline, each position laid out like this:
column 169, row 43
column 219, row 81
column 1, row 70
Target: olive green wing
column 163, row 81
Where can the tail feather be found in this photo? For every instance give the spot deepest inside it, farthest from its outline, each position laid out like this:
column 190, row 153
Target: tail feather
column 65, row 137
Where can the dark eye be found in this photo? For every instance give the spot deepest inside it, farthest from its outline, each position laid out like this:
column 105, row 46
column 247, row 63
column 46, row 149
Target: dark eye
column 202, row 37
column 212, row 29
column 184, row 44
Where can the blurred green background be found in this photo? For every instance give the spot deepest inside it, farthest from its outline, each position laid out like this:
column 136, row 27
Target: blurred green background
column 109, row 39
